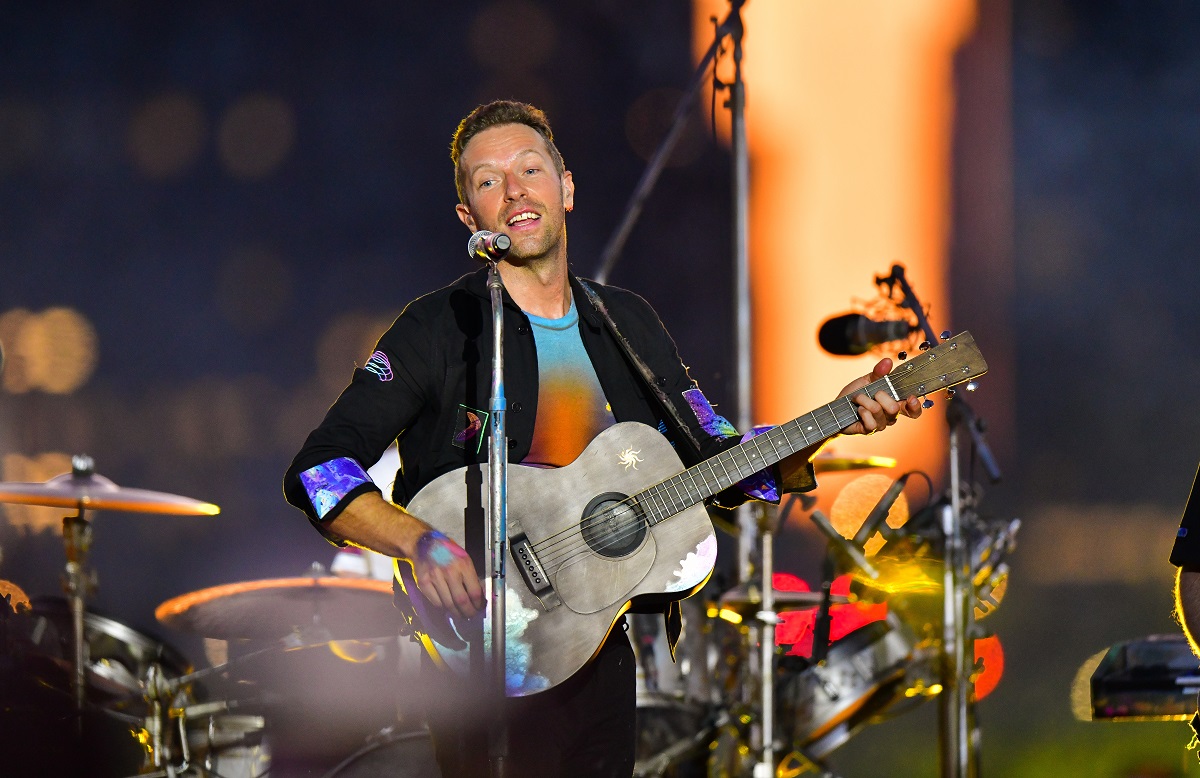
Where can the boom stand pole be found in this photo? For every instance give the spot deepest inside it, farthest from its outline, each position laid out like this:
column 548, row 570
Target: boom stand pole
column 954, row 702
column 497, row 530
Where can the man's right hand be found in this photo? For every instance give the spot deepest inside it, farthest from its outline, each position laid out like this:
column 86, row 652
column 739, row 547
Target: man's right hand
column 446, row 575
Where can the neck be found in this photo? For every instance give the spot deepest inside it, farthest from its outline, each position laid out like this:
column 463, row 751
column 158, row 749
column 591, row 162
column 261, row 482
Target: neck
column 539, row 287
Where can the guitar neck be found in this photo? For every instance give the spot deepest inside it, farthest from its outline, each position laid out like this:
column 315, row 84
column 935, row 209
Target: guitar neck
column 718, row 473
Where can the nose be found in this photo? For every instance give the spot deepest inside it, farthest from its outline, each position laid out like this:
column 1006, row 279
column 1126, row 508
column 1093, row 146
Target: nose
column 513, row 187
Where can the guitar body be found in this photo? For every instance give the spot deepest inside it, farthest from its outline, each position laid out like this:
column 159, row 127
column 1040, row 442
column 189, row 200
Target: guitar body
column 598, row 553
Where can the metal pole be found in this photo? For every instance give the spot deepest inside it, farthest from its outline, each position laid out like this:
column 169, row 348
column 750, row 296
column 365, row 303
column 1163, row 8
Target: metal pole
column 497, row 530
column 953, row 701
column 765, row 768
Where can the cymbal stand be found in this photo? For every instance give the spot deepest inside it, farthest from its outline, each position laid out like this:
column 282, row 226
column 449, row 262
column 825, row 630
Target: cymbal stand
column 77, row 581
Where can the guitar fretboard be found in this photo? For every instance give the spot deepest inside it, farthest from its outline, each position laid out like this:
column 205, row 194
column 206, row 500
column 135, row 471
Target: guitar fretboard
column 697, row 483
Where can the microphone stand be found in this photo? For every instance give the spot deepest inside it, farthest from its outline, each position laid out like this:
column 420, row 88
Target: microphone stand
column 497, row 530
column 955, row 709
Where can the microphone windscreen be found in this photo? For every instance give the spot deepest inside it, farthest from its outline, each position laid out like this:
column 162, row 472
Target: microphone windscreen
column 838, row 336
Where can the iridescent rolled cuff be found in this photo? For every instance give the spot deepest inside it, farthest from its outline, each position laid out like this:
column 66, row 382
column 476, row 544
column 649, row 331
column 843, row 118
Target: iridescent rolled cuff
column 328, row 483
column 761, row 485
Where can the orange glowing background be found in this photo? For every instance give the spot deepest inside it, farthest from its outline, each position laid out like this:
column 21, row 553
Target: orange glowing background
column 849, row 117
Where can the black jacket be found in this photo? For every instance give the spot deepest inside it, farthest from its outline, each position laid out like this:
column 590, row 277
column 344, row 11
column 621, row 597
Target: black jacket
column 440, row 354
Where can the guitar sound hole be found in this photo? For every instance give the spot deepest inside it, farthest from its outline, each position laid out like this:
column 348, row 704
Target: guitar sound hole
column 612, row 525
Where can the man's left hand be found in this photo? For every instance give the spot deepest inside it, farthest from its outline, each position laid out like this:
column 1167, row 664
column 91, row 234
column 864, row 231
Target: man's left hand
column 881, row 411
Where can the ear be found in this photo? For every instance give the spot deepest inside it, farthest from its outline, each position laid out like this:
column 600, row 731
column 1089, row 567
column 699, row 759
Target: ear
column 568, row 188
column 464, row 216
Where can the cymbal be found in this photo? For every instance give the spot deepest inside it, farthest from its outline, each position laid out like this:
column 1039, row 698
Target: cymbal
column 18, row 599
column 95, row 492
column 824, row 463
column 273, row 608
column 747, row 598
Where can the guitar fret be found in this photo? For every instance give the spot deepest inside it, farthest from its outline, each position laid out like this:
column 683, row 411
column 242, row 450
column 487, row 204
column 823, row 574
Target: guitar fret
column 678, row 496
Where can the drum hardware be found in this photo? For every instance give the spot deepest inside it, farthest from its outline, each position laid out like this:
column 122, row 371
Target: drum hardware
column 308, row 609
column 828, row 463
column 83, row 490
column 292, row 615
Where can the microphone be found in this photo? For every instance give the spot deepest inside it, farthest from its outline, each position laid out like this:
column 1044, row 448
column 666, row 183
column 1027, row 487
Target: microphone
column 852, row 551
column 852, row 334
column 875, row 518
column 488, row 246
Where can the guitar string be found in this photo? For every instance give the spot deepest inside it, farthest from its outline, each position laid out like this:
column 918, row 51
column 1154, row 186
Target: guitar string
column 561, row 557
column 669, row 506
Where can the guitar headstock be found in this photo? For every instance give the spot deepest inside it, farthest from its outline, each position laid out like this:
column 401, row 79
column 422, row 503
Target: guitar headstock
column 953, row 362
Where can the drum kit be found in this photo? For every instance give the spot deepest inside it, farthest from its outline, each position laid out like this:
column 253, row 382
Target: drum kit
column 879, row 654
column 83, row 694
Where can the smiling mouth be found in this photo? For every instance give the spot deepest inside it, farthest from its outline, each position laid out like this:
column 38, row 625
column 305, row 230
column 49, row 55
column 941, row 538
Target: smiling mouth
column 520, row 218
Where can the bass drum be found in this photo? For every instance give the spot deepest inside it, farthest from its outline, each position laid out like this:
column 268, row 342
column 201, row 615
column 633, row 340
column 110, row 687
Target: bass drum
column 228, row 746
column 118, row 657
column 867, row 671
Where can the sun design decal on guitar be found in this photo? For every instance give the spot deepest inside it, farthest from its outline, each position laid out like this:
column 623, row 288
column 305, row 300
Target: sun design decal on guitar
column 629, row 458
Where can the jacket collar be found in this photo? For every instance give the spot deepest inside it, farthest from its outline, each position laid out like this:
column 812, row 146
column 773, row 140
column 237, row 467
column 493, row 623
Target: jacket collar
column 476, row 284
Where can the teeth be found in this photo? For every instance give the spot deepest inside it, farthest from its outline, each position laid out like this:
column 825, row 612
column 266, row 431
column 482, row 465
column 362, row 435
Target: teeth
column 523, row 217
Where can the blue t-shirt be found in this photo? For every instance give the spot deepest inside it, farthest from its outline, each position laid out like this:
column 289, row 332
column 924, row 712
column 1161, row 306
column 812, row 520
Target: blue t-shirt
column 571, row 407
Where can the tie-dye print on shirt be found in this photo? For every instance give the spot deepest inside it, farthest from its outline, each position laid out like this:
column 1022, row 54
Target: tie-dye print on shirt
column 331, row 481
column 571, row 405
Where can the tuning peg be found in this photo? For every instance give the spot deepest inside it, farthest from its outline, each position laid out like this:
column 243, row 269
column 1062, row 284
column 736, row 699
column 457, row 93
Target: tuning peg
column 972, row 386
column 945, row 335
column 925, row 345
column 927, row 404
column 903, row 355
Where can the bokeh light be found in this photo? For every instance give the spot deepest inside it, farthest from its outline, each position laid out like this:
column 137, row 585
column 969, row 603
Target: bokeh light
column 54, row 351
column 855, row 501
column 256, row 135
column 35, row 469
column 166, row 135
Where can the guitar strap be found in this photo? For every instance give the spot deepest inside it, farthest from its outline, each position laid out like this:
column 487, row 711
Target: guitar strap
column 682, row 431
column 672, row 615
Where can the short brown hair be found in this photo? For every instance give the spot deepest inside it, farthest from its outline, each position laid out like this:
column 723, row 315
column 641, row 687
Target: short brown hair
column 494, row 114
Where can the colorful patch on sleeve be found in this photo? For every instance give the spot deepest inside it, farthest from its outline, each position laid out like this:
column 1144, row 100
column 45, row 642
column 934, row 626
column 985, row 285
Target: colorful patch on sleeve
column 328, row 483
column 468, row 428
column 379, row 365
column 713, row 424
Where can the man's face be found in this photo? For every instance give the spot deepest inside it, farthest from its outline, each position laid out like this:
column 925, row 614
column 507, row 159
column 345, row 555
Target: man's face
column 513, row 187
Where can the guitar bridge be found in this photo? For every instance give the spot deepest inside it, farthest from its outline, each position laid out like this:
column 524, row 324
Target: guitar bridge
column 531, row 569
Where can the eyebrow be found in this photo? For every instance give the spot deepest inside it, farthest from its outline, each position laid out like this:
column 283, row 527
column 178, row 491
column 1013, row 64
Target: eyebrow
column 518, row 155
